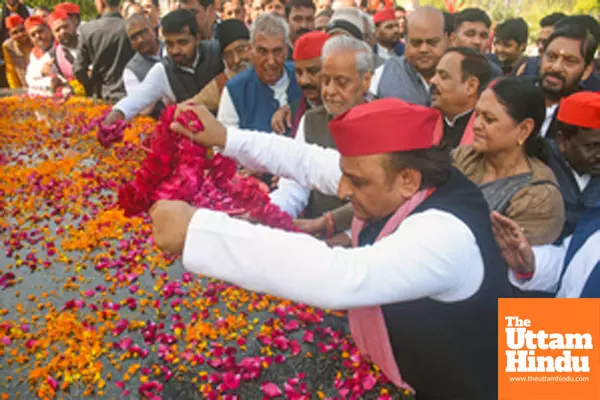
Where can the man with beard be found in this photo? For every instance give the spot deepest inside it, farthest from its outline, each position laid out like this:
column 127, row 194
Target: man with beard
column 147, row 53
column 235, row 47
column 41, row 75
column 409, row 77
column 177, row 78
column 16, row 51
column 387, row 32
column 567, row 61
column 72, row 10
column 300, row 15
column 345, row 78
column 461, row 75
column 547, row 25
column 206, row 15
column 65, row 52
column 510, row 43
column 9, row 7
column 307, row 68
column 575, row 156
column 251, row 98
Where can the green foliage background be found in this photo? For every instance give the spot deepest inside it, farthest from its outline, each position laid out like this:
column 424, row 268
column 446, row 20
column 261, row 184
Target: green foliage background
column 88, row 10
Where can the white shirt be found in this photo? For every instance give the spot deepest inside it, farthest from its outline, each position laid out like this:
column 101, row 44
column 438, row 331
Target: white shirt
column 155, row 86
column 385, row 53
column 581, row 180
column 131, row 81
column 548, row 119
column 414, row 262
column 228, row 114
column 549, row 260
column 37, row 83
column 290, row 196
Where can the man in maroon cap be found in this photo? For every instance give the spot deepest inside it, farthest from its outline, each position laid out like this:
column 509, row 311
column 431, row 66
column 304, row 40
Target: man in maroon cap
column 422, row 301
column 65, row 33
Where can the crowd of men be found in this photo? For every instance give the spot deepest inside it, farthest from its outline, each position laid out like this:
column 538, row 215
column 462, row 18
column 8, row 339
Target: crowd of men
column 428, row 150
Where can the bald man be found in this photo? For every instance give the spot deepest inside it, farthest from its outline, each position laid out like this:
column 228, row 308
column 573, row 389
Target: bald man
column 409, row 77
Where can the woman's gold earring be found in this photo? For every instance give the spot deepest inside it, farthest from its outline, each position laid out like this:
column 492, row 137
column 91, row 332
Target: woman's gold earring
column 520, row 142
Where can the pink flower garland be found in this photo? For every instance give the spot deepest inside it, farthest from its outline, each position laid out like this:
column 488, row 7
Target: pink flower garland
column 176, row 168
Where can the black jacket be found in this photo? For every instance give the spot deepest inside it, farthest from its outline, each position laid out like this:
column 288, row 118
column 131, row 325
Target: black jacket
column 104, row 44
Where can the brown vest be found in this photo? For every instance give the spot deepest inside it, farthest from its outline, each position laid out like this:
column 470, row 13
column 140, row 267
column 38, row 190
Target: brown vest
column 316, row 130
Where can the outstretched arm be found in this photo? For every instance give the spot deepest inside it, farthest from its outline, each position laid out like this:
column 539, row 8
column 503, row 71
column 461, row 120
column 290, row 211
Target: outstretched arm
column 309, row 165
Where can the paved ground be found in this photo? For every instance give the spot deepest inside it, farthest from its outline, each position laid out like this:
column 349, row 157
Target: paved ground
column 94, row 311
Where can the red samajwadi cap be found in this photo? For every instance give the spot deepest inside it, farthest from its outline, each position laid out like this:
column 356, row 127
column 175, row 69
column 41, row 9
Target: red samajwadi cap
column 384, row 126
column 310, row 45
column 68, row 8
column 581, row 109
column 384, row 15
column 34, row 21
column 14, row 20
column 57, row 16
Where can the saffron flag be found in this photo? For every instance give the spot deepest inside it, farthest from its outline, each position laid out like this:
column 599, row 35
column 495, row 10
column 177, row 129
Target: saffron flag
column 548, row 349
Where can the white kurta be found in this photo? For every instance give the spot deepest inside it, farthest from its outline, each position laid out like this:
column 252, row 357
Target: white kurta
column 227, row 113
column 549, row 260
column 38, row 83
column 290, row 196
column 154, row 87
column 416, row 261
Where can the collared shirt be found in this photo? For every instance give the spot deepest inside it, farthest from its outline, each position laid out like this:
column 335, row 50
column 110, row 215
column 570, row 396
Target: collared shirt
column 154, row 87
column 413, row 262
column 549, row 260
column 548, row 119
column 582, row 180
column 228, row 114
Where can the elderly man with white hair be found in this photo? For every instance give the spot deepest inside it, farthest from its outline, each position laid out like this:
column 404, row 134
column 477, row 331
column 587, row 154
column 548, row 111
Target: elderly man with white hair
column 251, row 98
column 345, row 75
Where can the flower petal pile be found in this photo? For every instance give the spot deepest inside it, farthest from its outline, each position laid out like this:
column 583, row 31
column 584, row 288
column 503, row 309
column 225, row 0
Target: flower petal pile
column 89, row 307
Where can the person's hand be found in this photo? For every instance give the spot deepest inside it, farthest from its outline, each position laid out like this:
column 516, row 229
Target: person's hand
column 170, row 221
column 515, row 248
column 48, row 68
column 311, row 225
column 282, row 120
column 112, row 117
column 213, row 134
column 339, row 240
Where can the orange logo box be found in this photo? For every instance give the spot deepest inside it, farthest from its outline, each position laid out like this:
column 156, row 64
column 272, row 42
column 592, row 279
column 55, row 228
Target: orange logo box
column 548, row 349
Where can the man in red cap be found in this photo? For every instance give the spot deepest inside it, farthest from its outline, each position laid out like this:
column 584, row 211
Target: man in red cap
column 387, row 32
column 41, row 74
column 16, row 51
column 422, row 302
column 307, row 66
column 72, row 10
column 575, row 156
column 65, row 52
column 9, row 7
